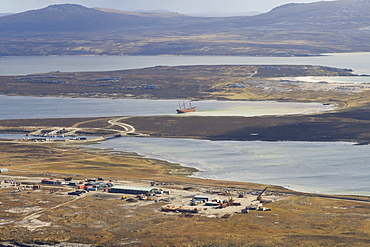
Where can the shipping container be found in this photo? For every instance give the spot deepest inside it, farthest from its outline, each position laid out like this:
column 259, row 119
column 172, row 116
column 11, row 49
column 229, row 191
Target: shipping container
column 47, row 181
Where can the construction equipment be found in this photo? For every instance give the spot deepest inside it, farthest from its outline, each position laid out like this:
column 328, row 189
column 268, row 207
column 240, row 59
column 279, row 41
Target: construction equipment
column 259, row 197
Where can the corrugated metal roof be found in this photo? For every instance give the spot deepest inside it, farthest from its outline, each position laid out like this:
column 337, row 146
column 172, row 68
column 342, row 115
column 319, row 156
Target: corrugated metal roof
column 200, row 196
column 124, row 187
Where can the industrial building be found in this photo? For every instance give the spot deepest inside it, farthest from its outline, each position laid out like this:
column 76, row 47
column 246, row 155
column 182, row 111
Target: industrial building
column 201, row 198
column 131, row 189
column 2, row 170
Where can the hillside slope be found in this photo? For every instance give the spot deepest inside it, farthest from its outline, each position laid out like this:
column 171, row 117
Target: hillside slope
column 340, row 15
column 73, row 17
column 288, row 30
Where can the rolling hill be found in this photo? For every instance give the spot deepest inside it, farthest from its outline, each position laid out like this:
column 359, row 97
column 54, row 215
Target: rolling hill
column 73, row 17
column 324, row 16
column 287, row 30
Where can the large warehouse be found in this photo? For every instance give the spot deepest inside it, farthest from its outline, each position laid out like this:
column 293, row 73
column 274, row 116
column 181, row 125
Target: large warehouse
column 130, row 189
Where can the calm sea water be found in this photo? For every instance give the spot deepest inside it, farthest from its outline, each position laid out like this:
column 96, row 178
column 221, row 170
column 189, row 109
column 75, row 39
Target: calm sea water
column 28, row 65
column 16, row 107
column 321, row 167
column 330, row 168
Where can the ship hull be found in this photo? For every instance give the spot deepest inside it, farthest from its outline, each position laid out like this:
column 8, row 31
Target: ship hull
column 186, row 110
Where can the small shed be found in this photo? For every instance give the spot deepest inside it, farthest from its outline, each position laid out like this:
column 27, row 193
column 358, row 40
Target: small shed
column 201, row 198
column 2, row 170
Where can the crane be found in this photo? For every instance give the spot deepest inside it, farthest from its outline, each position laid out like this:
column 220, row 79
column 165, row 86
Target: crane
column 259, row 197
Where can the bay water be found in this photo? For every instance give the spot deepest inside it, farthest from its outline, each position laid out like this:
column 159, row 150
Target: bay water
column 42, row 64
column 320, row 167
column 26, row 107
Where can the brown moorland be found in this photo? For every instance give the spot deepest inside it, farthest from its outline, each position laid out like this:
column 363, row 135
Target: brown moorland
column 49, row 216
column 223, row 82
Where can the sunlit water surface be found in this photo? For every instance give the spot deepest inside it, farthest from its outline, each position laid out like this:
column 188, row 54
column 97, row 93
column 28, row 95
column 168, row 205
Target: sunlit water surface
column 331, row 168
column 25, row 107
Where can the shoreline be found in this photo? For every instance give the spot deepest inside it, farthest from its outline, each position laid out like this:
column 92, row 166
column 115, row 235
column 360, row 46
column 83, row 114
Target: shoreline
column 91, row 146
column 206, row 182
column 198, row 174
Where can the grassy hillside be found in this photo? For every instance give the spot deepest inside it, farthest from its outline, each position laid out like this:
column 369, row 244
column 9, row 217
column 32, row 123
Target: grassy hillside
column 289, row 30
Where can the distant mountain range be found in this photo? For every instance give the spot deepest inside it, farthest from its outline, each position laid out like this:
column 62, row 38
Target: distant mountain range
column 291, row 29
column 224, row 14
column 159, row 13
column 73, row 17
column 339, row 15
column 4, row 14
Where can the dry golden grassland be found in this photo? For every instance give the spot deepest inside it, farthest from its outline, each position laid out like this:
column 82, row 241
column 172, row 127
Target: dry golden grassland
column 48, row 215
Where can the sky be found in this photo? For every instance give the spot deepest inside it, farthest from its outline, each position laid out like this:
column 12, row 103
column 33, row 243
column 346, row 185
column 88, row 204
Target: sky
column 180, row 6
